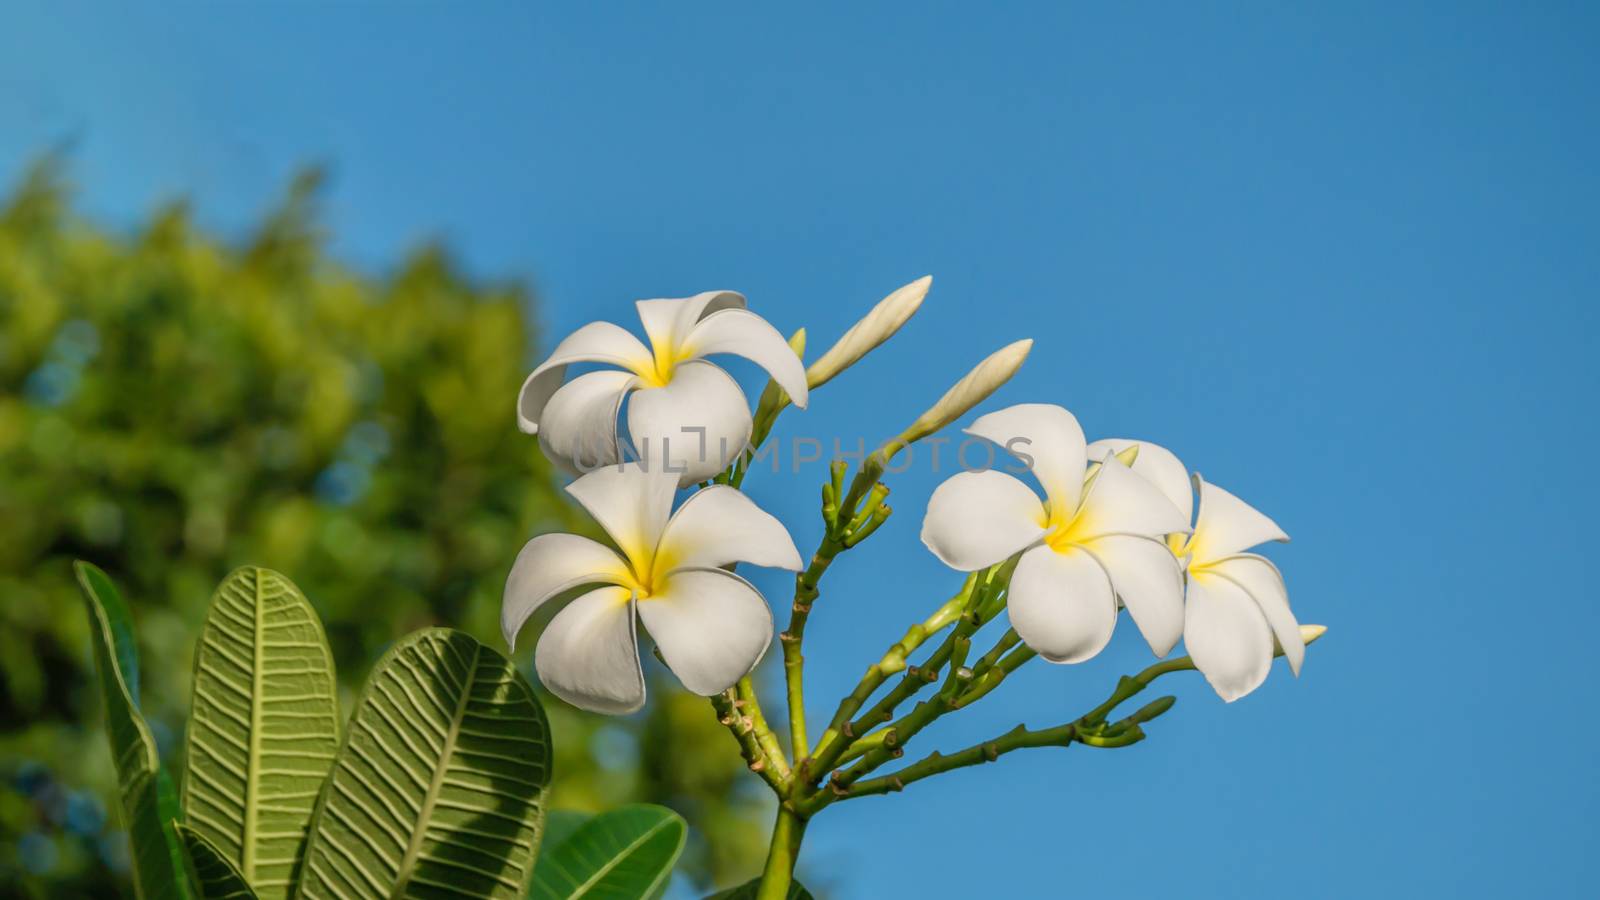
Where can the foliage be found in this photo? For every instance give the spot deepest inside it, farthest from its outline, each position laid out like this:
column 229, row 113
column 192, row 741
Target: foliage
column 439, row 785
column 145, row 797
column 172, row 406
column 624, row 854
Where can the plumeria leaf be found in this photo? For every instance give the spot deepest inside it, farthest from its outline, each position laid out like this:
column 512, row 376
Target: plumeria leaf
column 625, row 854
column 146, row 796
column 559, row 824
column 440, row 783
column 263, row 726
column 215, row 876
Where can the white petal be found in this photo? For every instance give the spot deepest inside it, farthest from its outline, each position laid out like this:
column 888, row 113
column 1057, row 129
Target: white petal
column 743, row 333
column 1157, row 465
column 1149, row 581
column 668, row 322
column 720, row 525
column 711, row 627
column 695, row 425
column 1061, row 604
column 1227, row 525
column 632, row 503
column 1264, row 583
column 1226, row 635
column 595, row 342
column 1120, row 502
column 548, row 565
column 589, row 654
column 976, row 519
column 1049, row 440
column 578, row 428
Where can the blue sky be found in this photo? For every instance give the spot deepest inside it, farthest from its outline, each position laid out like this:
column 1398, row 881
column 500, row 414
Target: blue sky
column 1342, row 260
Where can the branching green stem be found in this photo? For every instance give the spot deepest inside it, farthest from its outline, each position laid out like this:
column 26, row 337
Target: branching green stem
column 840, row 734
column 1086, row 730
column 847, row 520
column 745, row 722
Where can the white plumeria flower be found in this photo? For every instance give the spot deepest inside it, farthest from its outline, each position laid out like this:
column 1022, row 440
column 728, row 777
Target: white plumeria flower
column 1236, row 602
column 685, row 412
column 710, row 625
column 1088, row 544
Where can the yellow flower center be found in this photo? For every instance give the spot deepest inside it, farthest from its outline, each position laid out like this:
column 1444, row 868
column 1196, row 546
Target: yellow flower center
column 664, row 359
column 1064, row 530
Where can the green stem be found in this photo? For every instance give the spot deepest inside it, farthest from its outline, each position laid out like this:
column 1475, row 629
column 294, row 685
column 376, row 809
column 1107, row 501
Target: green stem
column 839, row 735
column 988, row 751
column 756, row 742
column 994, row 672
column 784, row 849
column 792, row 638
column 834, row 541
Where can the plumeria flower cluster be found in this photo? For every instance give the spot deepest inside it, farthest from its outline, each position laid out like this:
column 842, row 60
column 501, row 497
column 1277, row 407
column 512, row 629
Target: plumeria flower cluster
column 1110, row 534
column 1115, row 524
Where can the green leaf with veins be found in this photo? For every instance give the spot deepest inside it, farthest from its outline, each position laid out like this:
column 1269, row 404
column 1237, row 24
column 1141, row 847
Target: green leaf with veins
column 263, row 727
column 624, row 854
column 439, row 788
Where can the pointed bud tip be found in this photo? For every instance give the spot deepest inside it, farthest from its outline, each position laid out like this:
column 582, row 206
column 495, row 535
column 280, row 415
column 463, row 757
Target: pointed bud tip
column 1309, row 633
column 877, row 326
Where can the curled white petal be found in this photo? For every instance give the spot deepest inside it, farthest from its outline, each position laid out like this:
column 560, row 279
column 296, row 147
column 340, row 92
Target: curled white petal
column 578, row 429
column 973, row 388
column 743, row 333
column 595, row 342
column 589, row 654
column 548, row 565
column 1061, row 604
column 1149, row 581
column 1048, row 439
column 873, row 329
column 632, row 503
column 1226, row 635
column 976, row 519
column 1120, row 502
column 711, row 627
column 1157, row 465
column 719, row 525
column 668, row 322
column 1227, row 525
column 695, row 425
column 1264, row 583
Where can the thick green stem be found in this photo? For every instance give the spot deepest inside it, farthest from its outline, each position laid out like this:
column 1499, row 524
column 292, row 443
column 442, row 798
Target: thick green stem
column 781, row 855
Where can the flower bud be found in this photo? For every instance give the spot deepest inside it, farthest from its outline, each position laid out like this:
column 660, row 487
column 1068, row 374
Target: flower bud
column 876, row 327
column 971, row 390
column 1309, row 633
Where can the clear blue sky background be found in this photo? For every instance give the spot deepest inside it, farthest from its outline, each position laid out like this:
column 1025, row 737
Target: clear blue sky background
column 1344, row 261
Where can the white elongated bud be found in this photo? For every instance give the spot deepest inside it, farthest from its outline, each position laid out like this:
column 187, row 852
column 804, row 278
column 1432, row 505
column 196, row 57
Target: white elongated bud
column 874, row 328
column 974, row 388
column 1309, row 633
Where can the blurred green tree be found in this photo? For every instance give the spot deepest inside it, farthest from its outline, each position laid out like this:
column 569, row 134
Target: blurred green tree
column 172, row 406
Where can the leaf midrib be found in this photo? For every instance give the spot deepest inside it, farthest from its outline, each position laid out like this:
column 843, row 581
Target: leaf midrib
column 253, row 761
column 618, row 857
column 408, row 863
